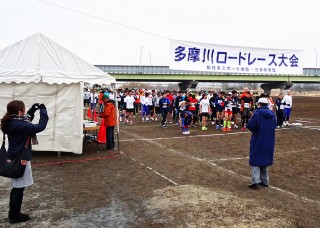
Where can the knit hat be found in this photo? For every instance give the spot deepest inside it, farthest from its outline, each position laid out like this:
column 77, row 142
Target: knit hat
column 105, row 96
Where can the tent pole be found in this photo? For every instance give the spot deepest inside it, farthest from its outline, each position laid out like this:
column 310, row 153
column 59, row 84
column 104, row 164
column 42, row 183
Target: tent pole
column 116, row 133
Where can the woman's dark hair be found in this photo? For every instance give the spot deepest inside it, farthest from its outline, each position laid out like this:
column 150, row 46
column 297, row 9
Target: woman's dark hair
column 13, row 107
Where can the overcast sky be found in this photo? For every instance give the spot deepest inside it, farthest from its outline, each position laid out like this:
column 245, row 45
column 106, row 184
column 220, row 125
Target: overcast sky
column 285, row 24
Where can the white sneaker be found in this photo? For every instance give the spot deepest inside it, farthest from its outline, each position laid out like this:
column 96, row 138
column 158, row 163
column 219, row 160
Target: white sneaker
column 184, row 133
column 151, row 118
column 156, row 119
column 188, row 132
column 232, row 122
column 213, row 123
column 127, row 121
column 235, row 126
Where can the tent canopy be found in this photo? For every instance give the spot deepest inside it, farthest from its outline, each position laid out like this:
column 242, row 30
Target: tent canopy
column 39, row 59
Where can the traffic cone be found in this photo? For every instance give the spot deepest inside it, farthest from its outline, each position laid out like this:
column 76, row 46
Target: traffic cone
column 89, row 115
column 95, row 116
column 102, row 133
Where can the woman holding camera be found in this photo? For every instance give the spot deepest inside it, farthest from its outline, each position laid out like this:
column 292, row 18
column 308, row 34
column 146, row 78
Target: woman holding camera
column 20, row 131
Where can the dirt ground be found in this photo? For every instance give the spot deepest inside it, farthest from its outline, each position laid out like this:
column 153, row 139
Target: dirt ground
column 161, row 178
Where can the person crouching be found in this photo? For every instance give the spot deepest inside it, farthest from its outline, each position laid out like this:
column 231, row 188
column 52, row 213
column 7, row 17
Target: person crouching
column 186, row 117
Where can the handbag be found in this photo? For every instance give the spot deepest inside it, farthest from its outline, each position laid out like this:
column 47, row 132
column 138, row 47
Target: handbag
column 12, row 168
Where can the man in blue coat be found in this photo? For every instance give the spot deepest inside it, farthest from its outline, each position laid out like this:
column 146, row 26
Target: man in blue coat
column 262, row 125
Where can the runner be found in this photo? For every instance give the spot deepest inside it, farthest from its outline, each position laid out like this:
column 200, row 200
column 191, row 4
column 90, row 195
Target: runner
column 164, row 103
column 204, row 111
column 86, row 96
column 236, row 108
column 186, row 118
column 137, row 102
column 145, row 107
column 280, row 104
column 193, row 109
column 246, row 105
column 228, row 104
column 270, row 102
column 156, row 100
column 151, row 105
column 219, row 103
column 213, row 108
column 287, row 108
column 129, row 100
column 177, row 101
column 170, row 106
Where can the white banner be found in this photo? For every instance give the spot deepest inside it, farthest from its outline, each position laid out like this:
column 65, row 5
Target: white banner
column 214, row 58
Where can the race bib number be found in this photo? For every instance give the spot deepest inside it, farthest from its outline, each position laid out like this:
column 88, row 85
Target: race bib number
column 281, row 106
column 246, row 105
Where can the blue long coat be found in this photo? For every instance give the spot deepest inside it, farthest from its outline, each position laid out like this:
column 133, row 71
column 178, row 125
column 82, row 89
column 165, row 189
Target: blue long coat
column 262, row 125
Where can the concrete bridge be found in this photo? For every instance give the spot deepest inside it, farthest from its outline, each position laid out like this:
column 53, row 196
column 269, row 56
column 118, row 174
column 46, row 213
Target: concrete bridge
column 190, row 79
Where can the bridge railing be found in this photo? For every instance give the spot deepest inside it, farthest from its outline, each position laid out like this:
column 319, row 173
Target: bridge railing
column 130, row 69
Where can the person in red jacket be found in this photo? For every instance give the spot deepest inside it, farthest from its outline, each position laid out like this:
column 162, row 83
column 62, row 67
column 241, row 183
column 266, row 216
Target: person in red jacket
column 109, row 121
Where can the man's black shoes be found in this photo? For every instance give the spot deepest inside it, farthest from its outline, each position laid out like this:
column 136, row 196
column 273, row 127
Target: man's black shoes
column 263, row 185
column 253, row 186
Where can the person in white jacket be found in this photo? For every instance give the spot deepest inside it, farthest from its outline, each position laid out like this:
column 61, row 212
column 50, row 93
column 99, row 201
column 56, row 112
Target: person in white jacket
column 287, row 99
column 145, row 107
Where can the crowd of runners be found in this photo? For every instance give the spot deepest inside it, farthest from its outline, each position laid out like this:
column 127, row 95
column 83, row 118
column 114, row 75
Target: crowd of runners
column 222, row 110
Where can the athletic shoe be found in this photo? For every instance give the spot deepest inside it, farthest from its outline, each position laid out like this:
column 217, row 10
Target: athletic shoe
column 278, row 127
column 184, row 133
column 127, row 121
column 224, row 129
column 131, row 123
column 221, row 126
column 235, row 126
column 152, row 118
column 177, row 124
column 217, row 127
column 203, row 128
column 164, row 126
column 188, row 132
column 229, row 129
column 282, row 126
column 232, row 122
column 156, row 119
column 243, row 129
column 170, row 122
column 143, row 121
column 213, row 122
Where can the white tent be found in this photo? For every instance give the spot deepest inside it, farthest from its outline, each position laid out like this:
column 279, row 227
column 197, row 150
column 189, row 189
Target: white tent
column 38, row 69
